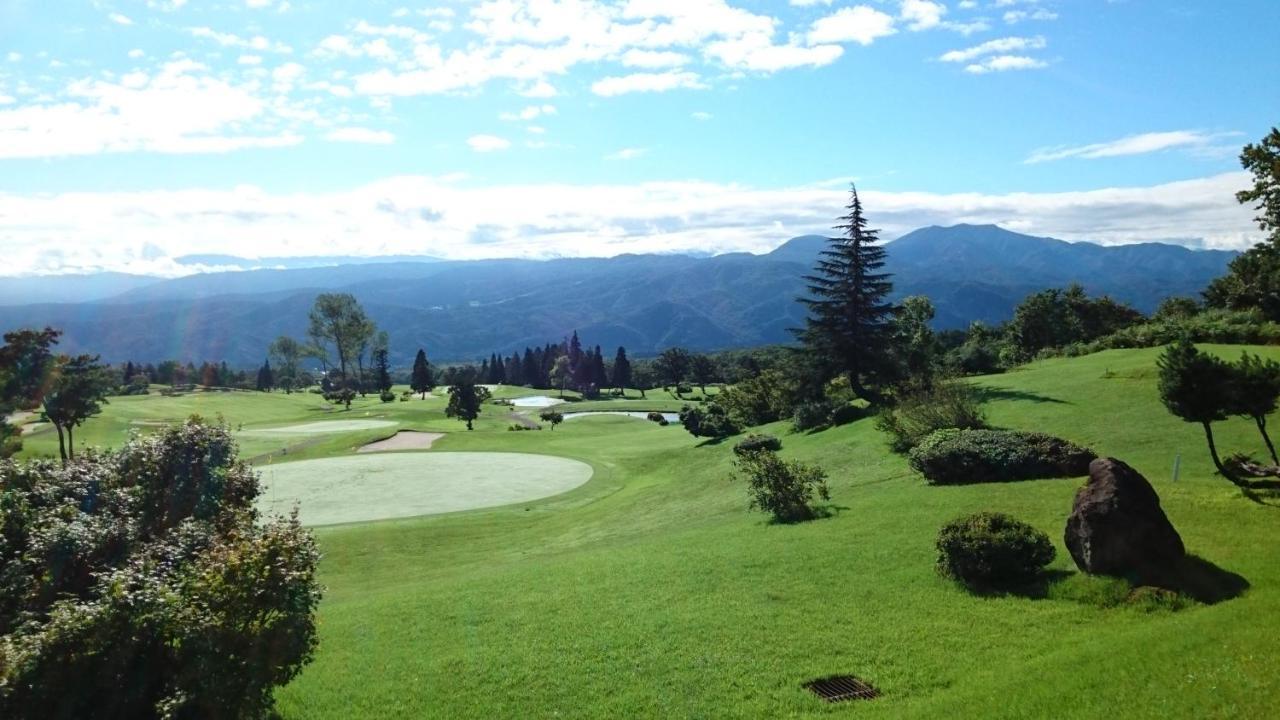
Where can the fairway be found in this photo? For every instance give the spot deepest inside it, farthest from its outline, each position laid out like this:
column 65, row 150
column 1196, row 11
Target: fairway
column 323, row 426
column 376, row 487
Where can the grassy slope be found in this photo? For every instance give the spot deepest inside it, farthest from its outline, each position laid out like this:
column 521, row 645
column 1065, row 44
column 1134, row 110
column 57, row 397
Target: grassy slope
column 650, row 591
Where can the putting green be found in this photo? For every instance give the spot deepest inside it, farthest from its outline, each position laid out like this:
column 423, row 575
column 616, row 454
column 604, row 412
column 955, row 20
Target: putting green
column 323, row 426
column 366, row 487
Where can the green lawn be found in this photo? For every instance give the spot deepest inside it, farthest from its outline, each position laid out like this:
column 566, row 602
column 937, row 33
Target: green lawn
column 650, row 591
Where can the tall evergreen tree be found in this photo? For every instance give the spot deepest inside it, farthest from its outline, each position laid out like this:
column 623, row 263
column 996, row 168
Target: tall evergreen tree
column 265, row 380
column 574, row 351
column 422, row 379
column 850, row 318
column 382, row 369
column 599, row 375
column 621, row 370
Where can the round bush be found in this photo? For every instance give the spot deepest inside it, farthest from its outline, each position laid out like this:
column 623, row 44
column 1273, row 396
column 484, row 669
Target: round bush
column 812, row 415
column 656, row 417
column 387, row 396
column 989, row 549
column 757, row 442
column 955, row 457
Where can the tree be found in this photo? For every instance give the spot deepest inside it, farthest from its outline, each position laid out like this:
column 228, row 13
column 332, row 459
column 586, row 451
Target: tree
column 621, row 379
column 555, row 417
column 849, row 314
column 672, row 366
column 422, row 379
column 1255, row 393
column 266, row 381
column 26, row 362
column 1253, row 277
column 79, row 387
column 703, row 370
column 1197, row 388
column 287, row 354
column 711, row 420
column 465, row 399
column 915, row 345
column 561, row 373
column 382, row 370
column 338, row 319
column 642, row 378
column 143, row 583
column 1174, row 309
column 781, row 488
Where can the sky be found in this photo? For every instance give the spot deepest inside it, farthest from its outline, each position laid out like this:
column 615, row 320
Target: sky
column 134, row 132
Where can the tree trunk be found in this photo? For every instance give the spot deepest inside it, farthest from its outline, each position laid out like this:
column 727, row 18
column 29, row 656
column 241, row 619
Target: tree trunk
column 71, row 441
column 1261, row 420
column 1213, row 452
column 468, row 423
column 62, row 447
column 642, row 397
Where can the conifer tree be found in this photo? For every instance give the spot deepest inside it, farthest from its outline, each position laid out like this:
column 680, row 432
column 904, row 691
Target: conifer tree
column 265, row 379
column 422, row 379
column 621, row 370
column 1197, row 388
column 1256, row 393
column 850, row 318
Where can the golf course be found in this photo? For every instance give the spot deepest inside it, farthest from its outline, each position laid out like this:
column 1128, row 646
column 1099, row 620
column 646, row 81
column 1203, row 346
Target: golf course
column 610, row 567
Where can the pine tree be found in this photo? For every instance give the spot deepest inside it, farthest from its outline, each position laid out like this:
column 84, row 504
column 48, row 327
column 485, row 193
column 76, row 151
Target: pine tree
column 574, row 351
column 266, row 380
column 850, row 318
column 621, row 370
column 382, row 369
column 1197, row 388
column 421, row 381
column 1256, row 393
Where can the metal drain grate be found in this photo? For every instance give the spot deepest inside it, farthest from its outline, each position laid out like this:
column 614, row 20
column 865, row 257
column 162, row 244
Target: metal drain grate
column 839, row 688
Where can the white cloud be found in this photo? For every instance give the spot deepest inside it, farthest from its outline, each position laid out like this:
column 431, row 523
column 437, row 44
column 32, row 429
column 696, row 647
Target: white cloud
column 257, row 42
column 1142, row 144
column 862, row 24
column 66, row 232
column 181, row 108
column 539, row 89
column 701, row 115
column 119, row 19
column 922, row 14
column 626, row 154
column 1003, row 63
column 249, row 60
column 653, row 59
column 488, row 143
column 645, row 82
column 136, row 53
column 999, row 45
column 12, row 56
column 808, row 3
column 529, row 113
column 360, row 135
column 1016, row 16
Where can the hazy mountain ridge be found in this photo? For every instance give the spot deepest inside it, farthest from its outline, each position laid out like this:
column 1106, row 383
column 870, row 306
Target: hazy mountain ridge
column 460, row 309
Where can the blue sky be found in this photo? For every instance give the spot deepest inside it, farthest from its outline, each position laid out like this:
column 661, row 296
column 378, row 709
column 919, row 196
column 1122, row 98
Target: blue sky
column 136, row 131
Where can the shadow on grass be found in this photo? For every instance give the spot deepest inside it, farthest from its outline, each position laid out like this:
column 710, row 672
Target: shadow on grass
column 1037, row 588
column 1202, row 580
column 987, row 393
column 819, row 512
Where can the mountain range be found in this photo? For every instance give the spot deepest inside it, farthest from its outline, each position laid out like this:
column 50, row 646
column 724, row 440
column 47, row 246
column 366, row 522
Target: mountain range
column 461, row 310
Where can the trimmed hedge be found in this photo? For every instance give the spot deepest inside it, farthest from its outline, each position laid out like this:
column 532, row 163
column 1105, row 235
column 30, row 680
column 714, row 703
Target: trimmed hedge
column 757, row 442
column 989, row 549
column 956, row 457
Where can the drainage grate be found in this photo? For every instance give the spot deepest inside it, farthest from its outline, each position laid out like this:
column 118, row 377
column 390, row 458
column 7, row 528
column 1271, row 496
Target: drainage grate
column 839, row 688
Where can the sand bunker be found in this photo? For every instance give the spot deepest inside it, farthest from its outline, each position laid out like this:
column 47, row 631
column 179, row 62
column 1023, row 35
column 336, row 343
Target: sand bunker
column 358, row 488
column 670, row 416
column 403, row 440
column 535, row 401
column 323, row 426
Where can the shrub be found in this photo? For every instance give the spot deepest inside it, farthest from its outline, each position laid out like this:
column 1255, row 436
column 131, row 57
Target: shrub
column 710, row 420
column 664, row 422
column 143, row 583
column 954, row 457
column 555, row 417
column 814, row 414
column 683, row 389
column 916, row 415
column 779, row 487
column 656, row 417
column 989, row 549
column 518, row 427
column 387, row 396
column 756, row 442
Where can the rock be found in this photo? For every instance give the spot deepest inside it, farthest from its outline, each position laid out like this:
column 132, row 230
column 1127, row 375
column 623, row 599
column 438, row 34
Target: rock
column 1116, row 526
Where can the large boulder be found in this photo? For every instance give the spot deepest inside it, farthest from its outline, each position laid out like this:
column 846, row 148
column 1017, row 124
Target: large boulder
column 1116, row 526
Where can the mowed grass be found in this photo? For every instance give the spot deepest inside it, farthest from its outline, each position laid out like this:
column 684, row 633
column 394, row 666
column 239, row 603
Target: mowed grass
column 651, row 591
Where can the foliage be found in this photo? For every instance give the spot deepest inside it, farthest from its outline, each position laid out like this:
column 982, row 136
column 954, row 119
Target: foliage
column 782, row 488
column 849, row 315
column 622, row 374
column 1255, row 393
column 143, row 584
column 338, row 319
column 465, row 399
column 1056, row 318
column 992, row 550
column 1197, row 388
column 979, row 353
column 287, row 354
column 555, row 417
column 915, row 345
column 77, row 390
column 955, row 457
column 672, row 367
column 382, row 370
column 756, row 442
column 1253, row 277
column 387, row 396
column 709, row 420
column 655, row 416
column 1176, row 309
column 341, row 396
column 813, row 415
column 918, row 414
